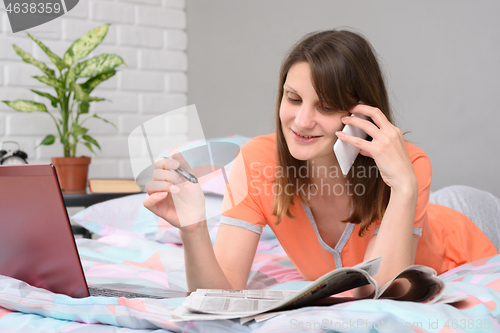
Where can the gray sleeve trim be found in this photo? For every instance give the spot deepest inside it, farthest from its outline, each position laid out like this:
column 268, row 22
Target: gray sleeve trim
column 241, row 224
column 416, row 231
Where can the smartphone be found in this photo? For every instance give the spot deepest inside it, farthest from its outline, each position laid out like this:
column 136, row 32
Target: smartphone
column 345, row 152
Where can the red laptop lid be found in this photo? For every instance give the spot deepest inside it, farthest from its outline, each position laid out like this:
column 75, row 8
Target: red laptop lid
column 36, row 243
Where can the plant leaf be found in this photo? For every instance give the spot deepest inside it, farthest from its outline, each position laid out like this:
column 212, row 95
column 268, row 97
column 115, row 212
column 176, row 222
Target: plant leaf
column 105, row 120
column 48, row 81
column 48, row 140
column 28, row 58
column 84, row 107
column 96, row 99
column 101, row 64
column 53, row 99
column 89, row 147
column 80, row 94
column 93, row 82
column 78, row 130
column 26, row 106
column 60, row 64
column 85, row 44
column 71, row 75
column 91, row 140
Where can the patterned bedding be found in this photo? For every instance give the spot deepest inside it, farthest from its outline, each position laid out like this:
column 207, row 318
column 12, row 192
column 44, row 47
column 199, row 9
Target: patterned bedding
column 119, row 258
column 134, row 256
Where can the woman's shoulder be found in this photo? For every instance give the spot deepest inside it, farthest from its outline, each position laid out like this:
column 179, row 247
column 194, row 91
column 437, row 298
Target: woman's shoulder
column 260, row 154
column 262, row 141
column 260, row 147
column 415, row 152
column 421, row 164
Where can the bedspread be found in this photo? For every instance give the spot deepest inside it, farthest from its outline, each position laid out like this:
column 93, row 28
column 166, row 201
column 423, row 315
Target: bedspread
column 133, row 260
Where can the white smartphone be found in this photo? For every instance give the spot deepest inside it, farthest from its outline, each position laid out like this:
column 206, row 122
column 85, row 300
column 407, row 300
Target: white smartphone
column 345, row 152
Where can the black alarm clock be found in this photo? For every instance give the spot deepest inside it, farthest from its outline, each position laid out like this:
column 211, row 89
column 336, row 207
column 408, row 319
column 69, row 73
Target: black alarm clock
column 10, row 157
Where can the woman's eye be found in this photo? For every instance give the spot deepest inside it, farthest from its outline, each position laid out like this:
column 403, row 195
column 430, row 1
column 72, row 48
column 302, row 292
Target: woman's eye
column 292, row 100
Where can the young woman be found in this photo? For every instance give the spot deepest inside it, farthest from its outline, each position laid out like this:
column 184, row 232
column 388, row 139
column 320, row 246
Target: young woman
column 291, row 181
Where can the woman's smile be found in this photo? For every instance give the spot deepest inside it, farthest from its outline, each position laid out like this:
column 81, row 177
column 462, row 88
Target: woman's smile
column 302, row 138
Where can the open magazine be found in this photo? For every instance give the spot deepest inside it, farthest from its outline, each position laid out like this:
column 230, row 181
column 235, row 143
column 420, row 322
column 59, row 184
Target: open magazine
column 425, row 287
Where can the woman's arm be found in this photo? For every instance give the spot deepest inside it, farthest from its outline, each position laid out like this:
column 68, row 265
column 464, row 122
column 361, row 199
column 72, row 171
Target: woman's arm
column 182, row 204
column 394, row 242
column 423, row 170
column 226, row 265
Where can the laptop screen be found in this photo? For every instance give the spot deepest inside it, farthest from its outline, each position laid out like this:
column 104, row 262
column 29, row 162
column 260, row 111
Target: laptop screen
column 36, row 243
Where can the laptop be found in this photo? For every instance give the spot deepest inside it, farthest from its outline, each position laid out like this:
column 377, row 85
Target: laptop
column 36, row 242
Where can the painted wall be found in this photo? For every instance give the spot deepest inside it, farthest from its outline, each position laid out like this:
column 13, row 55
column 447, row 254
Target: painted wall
column 441, row 60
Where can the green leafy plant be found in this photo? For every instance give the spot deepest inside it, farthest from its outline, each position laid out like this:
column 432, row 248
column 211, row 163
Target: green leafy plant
column 72, row 97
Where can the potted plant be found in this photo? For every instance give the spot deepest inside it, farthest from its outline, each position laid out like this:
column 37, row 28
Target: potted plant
column 73, row 85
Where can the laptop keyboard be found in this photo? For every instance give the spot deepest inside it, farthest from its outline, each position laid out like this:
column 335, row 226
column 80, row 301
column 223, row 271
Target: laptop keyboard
column 96, row 291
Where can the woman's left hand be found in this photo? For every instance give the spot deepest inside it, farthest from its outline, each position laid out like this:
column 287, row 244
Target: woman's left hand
column 387, row 147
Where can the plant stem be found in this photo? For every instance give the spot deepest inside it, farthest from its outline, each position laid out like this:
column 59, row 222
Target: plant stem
column 65, row 111
column 57, row 125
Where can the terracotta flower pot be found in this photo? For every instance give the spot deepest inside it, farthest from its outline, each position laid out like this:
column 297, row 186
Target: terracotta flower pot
column 72, row 173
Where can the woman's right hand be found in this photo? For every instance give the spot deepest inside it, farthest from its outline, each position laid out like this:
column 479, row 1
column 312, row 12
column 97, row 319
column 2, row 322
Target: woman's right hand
column 174, row 198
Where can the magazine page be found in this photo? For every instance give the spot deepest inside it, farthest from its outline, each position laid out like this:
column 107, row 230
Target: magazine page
column 252, row 302
column 236, row 302
column 343, row 279
column 263, row 316
column 426, row 286
column 370, row 266
column 181, row 313
column 448, row 299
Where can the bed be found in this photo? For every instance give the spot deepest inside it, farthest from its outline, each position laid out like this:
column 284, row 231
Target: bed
column 126, row 252
column 136, row 247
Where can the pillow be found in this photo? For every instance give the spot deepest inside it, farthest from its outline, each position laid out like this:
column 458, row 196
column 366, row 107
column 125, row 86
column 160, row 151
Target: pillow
column 128, row 216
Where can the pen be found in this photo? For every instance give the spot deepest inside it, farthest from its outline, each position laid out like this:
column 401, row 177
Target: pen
column 186, row 175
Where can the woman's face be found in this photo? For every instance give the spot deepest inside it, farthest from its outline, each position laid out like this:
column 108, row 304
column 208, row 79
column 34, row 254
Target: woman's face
column 309, row 129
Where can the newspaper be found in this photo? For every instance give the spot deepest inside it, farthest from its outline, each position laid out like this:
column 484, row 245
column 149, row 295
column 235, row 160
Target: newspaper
column 211, row 304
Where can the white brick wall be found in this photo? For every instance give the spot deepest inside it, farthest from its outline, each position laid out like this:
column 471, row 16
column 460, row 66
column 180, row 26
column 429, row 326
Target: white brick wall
column 140, row 36
column 165, row 60
column 158, row 103
column 18, row 74
column 35, row 124
column 148, row 34
column 8, row 53
column 165, row 18
column 137, row 80
column 175, row 39
column 112, row 12
column 2, row 125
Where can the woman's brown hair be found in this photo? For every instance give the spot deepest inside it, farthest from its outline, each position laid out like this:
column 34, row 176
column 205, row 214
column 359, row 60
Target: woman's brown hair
column 344, row 70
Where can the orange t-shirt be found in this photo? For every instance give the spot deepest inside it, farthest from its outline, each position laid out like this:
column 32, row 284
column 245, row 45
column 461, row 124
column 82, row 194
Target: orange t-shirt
column 447, row 238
